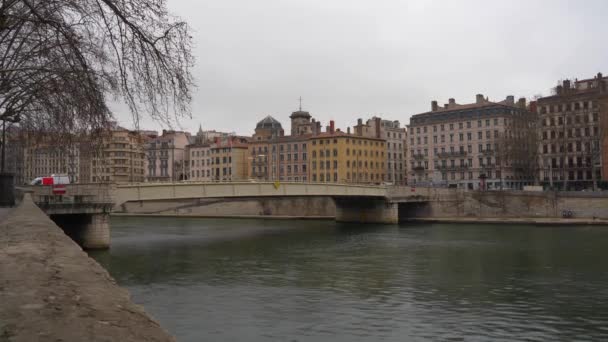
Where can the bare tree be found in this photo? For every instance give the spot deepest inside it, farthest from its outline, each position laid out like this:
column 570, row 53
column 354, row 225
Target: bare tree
column 517, row 148
column 60, row 61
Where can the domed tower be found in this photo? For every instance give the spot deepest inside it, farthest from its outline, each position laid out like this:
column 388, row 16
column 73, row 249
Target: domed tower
column 300, row 122
column 268, row 128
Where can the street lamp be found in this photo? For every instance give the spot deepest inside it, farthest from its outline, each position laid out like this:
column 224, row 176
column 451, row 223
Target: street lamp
column 15, row 119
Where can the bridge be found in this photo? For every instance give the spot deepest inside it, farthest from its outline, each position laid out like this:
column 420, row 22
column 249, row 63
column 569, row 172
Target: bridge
column 82, row 210
column 353, row 202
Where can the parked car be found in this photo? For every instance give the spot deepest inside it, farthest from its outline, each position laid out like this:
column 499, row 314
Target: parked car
column 51, row 180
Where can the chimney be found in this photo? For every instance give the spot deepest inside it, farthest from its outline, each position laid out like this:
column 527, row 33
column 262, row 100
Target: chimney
column 559, row 90
column 452, row 103
column 533, row 107
column 327, row 129
column 434, row 106
column 359, row 121
column 332, row 126
column 521, row 103
column 510, row 100
column 479, row 98
column 566, row 85
column 347, row 130
column 378, row 123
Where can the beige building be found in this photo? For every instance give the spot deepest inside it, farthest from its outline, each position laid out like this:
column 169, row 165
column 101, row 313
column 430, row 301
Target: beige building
column 229, row 159
column 273, row 156
column 472, row 146
column 571, row 134
column 118, row 157
column 200, row 162
column 31, row 157
column 396, row 146
column 166, row 157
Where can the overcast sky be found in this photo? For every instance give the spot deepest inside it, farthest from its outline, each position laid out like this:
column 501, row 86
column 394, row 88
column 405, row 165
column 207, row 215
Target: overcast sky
column 352, row 58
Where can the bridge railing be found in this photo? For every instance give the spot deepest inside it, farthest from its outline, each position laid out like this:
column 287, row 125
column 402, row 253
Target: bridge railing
column 91, row 195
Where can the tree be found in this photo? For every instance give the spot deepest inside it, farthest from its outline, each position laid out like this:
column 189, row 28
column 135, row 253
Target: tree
column 61, row 60
column 518, row 146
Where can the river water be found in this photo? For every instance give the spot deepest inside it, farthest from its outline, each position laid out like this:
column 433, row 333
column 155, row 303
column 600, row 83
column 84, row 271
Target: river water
column 269, row 280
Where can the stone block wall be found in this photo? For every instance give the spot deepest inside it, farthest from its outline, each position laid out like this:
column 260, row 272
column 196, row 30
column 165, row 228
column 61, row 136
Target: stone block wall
column 296, row 206
column 503, row 204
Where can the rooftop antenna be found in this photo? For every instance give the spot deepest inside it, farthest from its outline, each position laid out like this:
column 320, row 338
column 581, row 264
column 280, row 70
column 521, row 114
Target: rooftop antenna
column 300, row 103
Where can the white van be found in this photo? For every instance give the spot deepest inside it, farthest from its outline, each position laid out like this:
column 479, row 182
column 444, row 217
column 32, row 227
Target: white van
column 52, row 180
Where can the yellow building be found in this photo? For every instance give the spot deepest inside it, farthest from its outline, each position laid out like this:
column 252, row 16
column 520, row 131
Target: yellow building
column 338, row 157
column 229, row 159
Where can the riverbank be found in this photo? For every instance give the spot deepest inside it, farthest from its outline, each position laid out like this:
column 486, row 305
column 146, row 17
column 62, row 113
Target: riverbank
column 498, row 220
column 51, row 290
column 262, row 217
column 548, row 221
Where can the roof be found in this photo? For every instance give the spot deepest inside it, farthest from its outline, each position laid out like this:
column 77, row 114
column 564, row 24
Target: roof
column 228, row 144
column 300, row 114
column 337, row 134
column 475, row 105
column 268, row 122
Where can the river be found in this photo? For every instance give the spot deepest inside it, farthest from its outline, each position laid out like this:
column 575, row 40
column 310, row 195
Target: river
column 275, row 280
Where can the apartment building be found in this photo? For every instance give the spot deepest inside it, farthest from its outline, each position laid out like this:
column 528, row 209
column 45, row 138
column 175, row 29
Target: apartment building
column 200, row 162
column 229, row 159
column 274, row 156
column 30, row 157
column 338, row 157
column 166, row 156
column 572, row 135
column 396, row 145
column 115, row 156
column 481, row 145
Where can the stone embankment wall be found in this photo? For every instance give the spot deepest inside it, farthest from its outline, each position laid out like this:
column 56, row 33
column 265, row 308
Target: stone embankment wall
column 509, row 204
column 218, row 207
column 51, row 290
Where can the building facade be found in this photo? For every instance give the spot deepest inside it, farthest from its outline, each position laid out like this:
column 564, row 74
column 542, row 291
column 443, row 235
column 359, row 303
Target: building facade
column 338, row 157
column 166, row 157
column 115, row 156
column 200, row 162
column 30, row 157
column 229, row 159
column 396, row 148
column 273, row 156
column 482, row 145
column 571, row 134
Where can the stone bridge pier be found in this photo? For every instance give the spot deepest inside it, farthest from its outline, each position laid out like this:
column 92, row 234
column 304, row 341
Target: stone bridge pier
column 90, row 231
column 82, row 211
column 366, row 210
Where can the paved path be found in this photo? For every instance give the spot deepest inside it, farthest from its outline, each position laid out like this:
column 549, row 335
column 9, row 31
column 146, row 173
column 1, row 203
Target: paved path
column 50, row 290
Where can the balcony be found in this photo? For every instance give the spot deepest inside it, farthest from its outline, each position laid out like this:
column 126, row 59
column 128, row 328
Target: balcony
column 418, row 168
column 418, row 156
column 488, row 152
column 455, row 154
column 453, row 167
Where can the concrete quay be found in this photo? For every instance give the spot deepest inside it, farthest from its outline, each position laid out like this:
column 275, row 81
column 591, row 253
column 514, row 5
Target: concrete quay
column 51, row 290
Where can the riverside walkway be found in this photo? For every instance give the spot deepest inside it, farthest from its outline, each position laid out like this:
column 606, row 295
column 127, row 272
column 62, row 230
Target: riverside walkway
column 51, row 290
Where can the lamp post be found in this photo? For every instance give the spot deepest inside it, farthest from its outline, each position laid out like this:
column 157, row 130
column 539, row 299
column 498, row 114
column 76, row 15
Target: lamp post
column 4, row 120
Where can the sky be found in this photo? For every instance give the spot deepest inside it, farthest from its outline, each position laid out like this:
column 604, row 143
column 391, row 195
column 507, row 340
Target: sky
column 352, row 59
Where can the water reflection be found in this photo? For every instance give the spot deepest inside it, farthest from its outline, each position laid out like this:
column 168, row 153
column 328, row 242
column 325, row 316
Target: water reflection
column 266, row 280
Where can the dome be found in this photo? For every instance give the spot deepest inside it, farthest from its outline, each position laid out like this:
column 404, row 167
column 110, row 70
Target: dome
column 269, row 122
column 300, row 114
